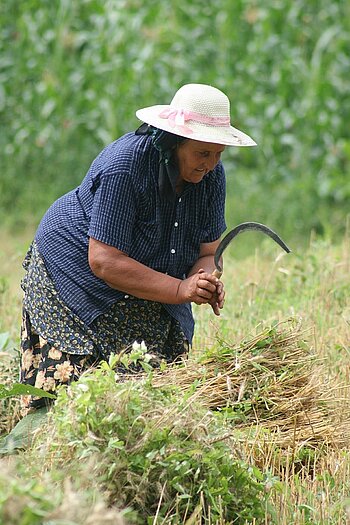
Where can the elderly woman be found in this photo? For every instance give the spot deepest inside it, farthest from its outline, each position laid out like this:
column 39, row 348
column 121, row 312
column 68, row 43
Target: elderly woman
column 121, row 258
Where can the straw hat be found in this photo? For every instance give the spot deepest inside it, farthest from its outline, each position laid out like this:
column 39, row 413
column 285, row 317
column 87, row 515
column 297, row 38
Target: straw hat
column 197, row 112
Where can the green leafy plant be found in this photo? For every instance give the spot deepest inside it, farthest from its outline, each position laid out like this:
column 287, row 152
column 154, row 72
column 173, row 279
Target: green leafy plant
column 19, row 389
column 154, row 452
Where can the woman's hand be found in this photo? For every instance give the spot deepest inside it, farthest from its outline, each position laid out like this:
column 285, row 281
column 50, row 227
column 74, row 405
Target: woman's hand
column 202, row 288
column 219, row 298
column 206, row 261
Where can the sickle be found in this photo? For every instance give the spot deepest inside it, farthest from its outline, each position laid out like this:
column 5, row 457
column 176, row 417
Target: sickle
column 244, row 226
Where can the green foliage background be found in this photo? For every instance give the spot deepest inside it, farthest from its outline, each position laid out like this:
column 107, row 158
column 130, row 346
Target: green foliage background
column 73, row 73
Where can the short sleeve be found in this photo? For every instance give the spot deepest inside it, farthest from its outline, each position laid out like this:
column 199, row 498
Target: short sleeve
column 114, row 210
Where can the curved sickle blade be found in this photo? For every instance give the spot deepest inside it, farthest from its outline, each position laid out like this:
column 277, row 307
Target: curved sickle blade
column 245, row 226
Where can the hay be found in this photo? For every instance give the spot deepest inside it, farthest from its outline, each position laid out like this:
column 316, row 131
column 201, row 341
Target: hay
column 273, row 380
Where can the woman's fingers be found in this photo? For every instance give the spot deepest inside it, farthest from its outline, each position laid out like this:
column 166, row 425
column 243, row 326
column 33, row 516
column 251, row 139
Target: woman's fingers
column 218, row 301
column 220, row 294
column 203, row 288
column 199, row 288
column 206, row 287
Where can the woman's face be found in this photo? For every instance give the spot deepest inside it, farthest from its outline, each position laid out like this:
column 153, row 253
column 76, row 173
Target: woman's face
column 196, row 159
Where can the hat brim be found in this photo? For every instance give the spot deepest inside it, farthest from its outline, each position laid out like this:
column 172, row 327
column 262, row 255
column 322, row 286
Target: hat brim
column 225, row 135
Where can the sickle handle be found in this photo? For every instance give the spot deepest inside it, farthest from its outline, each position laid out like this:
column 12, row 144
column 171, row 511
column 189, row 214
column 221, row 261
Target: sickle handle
column 216, row 273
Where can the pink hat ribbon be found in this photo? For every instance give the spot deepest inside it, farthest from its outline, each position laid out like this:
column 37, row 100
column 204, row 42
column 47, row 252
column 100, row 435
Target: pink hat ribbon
column 178, row 117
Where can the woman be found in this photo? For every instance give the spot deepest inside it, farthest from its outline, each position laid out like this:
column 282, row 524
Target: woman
column 120, row 258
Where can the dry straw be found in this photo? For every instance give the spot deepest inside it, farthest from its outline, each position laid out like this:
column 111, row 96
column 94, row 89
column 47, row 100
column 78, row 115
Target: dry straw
column 273, row 381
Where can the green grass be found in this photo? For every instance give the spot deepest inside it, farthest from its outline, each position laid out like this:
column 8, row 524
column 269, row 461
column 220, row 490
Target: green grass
column 301, row 485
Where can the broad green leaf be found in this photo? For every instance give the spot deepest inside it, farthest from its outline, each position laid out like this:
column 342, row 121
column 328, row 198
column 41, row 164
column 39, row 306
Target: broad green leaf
column 21, row 435
column 18, row 389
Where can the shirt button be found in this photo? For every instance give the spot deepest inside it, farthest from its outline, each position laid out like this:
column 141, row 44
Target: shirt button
column 126, row 296
column 172, row 250
column 180, row 199
column 176, row 224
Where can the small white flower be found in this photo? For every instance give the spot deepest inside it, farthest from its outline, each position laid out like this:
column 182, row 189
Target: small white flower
column 82, row 387
column 137, row 347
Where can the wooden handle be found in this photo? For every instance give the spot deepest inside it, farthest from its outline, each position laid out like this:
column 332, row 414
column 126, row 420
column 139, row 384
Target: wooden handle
column 216, row 273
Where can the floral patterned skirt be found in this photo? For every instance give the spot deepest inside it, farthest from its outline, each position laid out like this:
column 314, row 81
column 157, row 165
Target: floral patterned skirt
column 46, row 367
column 57, row 347
column 43, row 366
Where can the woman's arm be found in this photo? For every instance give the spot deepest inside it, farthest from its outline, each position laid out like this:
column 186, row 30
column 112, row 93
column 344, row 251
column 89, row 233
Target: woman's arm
column 206, row 257
column 128, row 275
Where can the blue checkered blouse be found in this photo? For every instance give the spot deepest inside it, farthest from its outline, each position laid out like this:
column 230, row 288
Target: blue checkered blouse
column 118, row 203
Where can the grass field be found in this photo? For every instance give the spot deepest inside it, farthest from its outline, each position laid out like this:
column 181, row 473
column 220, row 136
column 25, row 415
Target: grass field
column 304, row 470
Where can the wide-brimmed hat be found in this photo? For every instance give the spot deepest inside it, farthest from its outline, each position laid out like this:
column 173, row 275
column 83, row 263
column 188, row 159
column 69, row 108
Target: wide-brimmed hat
column 198, row 112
